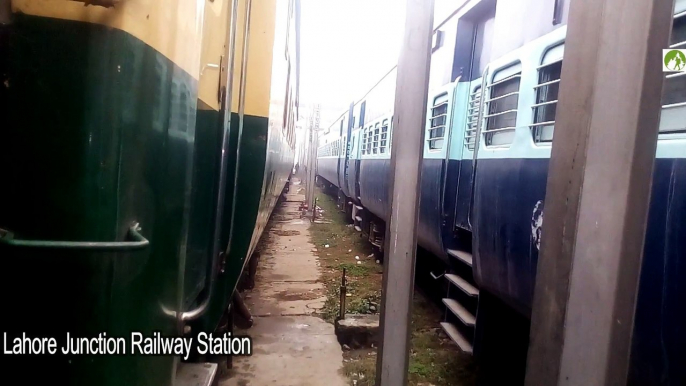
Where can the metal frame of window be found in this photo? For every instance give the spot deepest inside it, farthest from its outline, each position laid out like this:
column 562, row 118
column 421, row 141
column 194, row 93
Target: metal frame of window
column 671, row 79
column 364, row 141
column 369, row 140
column 436, row 127
column 488, row 132
column 375, row 142
column 383, row 146
column 473, row 110
column 542, row 90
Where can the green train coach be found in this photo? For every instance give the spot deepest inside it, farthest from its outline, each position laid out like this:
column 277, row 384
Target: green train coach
column 144, row 145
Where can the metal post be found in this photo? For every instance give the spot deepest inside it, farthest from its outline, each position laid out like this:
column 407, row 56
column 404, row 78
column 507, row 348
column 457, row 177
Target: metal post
column 598, row 192
column 311, row 161
column 406, row 157
column 5, row 12
column 308, row 166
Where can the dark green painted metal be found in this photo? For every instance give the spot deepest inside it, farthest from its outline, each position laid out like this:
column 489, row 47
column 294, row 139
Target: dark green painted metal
column 97, row 132
column 208, row 137
column 248, row 191
column 138, row 242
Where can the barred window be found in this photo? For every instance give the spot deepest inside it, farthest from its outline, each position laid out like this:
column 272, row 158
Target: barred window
column 364, row 141
column 472, row 118
column 547, row 90
column 502, row 107
column 437, row 122
column 375, row 142
column 674, row 89
column 369, row 140
column 383, row 146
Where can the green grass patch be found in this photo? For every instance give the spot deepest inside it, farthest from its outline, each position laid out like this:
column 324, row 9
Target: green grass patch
column 356, row 269
column 434, row 359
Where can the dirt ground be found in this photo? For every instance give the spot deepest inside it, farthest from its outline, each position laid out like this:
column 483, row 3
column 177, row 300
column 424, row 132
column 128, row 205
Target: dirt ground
column 292, row 346
column 296, row 300
column 434, row 359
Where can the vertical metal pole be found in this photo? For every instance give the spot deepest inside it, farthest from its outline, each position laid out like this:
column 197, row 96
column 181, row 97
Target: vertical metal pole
column 311, row 160
column 598, row 192
column 5, row 12
column 406, row 157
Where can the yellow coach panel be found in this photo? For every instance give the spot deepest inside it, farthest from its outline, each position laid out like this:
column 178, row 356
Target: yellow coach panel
column 172, row 27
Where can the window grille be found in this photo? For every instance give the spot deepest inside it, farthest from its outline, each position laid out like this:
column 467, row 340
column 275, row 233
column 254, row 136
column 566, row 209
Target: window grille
column 437, row 122
column 674, row 91
column 369, row 139
column 502, row 110
column 472, row 118
column 383, row 147
column 547, row 91
column 364, row 141
column 375, row 143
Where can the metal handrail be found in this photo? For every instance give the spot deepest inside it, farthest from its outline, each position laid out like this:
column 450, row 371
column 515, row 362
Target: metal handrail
column 137, row 242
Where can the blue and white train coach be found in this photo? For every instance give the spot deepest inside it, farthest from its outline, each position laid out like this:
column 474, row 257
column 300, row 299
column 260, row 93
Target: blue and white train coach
column 494, row 82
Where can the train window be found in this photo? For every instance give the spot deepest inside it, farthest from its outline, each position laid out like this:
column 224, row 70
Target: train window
column 437, row 40
column 472, row 118
column 364, row 141
column 547, row 89
column 384, row 137
column 502, row 107
column 375, row 144
column 363, row 107
column 437, row 122
column 674, row 89
column 369, row 139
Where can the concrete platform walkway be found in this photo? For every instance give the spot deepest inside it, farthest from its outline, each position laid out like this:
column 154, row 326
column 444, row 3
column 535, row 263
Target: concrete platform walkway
column 291, row 347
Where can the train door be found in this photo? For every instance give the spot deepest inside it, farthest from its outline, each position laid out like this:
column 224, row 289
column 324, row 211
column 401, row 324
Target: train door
column 345, row 152
column 353, row 162
column 338, row 182
column 476, row 33
column 467, row 160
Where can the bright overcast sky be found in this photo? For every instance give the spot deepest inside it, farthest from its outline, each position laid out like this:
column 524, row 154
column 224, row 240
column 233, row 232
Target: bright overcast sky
column 346, row 47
